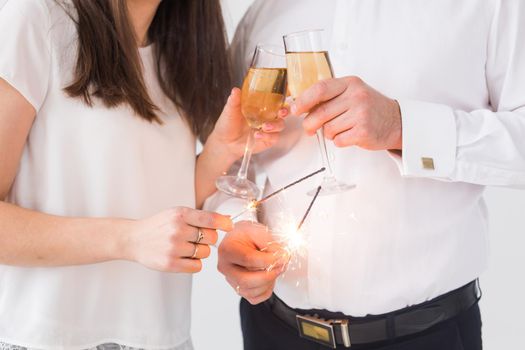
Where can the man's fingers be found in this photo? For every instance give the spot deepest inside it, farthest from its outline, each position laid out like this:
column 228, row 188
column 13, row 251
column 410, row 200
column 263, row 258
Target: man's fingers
column 258, row 234
column 252, row 293
column 321, row 91
column 261, row 298
column 249, row 258
column 346, row 138
column 338, row 125
column 242, row 279
column 323, row 113
column 255, row 295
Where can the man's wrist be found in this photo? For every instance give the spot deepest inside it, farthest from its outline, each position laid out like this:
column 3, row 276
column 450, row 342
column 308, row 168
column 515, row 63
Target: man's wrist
column 397, row 132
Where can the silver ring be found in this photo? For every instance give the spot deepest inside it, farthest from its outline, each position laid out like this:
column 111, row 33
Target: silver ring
column 200, row 236
column 195, row 251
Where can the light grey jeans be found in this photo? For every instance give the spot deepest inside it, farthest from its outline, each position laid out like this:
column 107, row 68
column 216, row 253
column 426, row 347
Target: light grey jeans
column 109, row 346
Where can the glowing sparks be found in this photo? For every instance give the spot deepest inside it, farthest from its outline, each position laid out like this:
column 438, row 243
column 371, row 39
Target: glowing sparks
column 293, row 239
column 252, row 205
column 291, row 242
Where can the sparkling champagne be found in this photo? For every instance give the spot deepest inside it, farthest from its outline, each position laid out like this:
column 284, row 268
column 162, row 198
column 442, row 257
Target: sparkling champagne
column 263, row 94
column 305, row 69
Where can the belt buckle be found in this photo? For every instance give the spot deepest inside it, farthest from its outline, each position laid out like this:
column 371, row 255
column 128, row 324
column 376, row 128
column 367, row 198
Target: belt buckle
column 317, row 330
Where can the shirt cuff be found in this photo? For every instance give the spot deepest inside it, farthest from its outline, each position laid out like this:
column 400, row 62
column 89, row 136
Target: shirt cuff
column 429, row 140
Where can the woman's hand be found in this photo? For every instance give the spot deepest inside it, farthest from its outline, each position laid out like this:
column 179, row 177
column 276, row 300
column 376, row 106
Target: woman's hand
column 231, row 130
column 226, row 144
column 167, row 241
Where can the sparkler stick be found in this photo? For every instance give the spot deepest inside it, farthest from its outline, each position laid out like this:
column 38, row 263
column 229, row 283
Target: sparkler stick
column 240, row 214
column 309, row 208
column 290, row 185
column 253, row 204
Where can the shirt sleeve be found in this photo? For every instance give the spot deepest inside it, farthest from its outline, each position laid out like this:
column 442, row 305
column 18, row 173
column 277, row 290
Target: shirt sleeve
column 25, row 51
column 484, row 147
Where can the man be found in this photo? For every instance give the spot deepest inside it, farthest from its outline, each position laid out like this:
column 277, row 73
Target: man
column 428, row 109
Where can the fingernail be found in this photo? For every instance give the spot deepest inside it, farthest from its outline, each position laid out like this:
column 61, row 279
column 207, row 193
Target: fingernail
column 258, row 135
column 268, row 127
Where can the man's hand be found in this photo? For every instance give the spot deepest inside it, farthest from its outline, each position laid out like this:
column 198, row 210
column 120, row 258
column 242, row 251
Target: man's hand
column 245, row 255
column 353, row 114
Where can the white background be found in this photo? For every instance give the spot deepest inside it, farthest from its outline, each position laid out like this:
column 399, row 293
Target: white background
column 215, row 306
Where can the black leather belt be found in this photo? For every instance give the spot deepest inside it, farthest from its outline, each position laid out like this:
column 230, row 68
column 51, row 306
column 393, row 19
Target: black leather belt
column 332, row 329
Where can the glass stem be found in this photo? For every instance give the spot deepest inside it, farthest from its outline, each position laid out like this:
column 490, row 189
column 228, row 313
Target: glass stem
column 324, row 154
column 248, row 150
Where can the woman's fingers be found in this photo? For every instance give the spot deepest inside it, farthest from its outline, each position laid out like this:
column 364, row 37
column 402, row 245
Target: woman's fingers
column 273, row 126
column 203, row 236
column 266, row 140
column 206, row 219
column 197, row 235
column 193, row 250
column 189, row 265
column 283, row 112
column 232, row 107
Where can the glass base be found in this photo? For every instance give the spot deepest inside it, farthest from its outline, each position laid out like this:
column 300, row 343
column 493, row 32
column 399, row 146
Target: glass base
column 238, row 187
column 331, row 186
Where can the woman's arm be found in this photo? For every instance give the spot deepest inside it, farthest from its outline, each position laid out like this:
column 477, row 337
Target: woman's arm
column 29, row 238
column 226, row 144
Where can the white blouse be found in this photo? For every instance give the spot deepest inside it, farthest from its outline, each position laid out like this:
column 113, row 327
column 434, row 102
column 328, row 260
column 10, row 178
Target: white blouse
column 90, row 162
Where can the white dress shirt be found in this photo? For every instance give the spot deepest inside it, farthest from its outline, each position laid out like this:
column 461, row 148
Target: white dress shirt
column 411, row 230
column 90, row 162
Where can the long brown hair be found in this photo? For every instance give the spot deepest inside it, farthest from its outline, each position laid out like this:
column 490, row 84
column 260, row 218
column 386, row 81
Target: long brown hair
column 191, row 54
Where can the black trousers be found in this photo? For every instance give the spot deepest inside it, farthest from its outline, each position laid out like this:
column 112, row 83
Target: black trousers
column 262, row 330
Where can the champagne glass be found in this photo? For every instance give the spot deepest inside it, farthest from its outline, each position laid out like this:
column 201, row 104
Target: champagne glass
column 308, row 62
column 263, row 94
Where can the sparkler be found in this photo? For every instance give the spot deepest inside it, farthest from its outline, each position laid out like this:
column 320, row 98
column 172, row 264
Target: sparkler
column 289, row 236
column 252, row 205
column 292, row 238
column 309, row 208
column 290, row 185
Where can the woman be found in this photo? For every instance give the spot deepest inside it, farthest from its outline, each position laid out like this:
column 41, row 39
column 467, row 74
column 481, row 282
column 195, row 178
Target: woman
column 101, row 102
